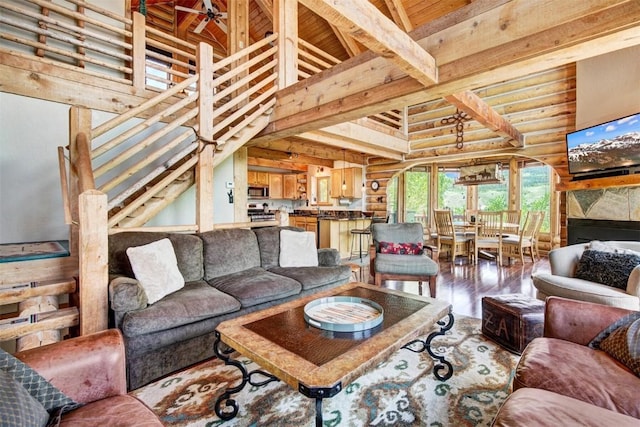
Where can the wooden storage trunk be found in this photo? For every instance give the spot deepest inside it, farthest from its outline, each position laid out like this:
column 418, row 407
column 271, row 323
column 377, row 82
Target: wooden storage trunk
column 512, row 320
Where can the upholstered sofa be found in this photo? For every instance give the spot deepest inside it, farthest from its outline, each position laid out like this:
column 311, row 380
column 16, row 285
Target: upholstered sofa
column 562, row 280
column 227, row 273
column 91, row 371
column 560, row 380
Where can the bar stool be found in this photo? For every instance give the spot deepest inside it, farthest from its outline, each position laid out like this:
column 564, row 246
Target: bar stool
column 359, row 233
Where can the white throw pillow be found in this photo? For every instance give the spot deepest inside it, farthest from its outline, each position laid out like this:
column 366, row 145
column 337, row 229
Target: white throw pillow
column 298, row 249
column 156, row 268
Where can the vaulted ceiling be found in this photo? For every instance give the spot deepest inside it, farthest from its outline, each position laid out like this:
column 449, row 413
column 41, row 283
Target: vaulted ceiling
column 534, row 109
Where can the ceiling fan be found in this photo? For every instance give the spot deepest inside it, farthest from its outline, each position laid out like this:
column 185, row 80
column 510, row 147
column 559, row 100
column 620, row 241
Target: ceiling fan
column 211, row 12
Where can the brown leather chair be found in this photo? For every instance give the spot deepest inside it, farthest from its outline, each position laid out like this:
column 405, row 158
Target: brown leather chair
column 562, row 363
column 91, row 370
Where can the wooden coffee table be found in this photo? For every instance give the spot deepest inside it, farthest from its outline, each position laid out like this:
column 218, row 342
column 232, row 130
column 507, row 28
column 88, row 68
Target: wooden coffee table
column 320, row 363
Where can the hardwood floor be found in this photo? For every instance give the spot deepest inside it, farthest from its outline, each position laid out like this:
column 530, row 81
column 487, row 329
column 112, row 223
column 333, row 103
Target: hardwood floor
column 463, row 285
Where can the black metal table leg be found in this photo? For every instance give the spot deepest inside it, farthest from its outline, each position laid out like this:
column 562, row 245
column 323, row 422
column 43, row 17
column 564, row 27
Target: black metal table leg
column 445, row 325
column 319, row 393
column 318, row 412
column 224, row 398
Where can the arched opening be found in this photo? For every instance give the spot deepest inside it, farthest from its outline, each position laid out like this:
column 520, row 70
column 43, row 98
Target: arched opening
column 523, row 184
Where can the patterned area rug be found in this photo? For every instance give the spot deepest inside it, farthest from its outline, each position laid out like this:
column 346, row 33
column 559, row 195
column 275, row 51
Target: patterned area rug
column 399, row 392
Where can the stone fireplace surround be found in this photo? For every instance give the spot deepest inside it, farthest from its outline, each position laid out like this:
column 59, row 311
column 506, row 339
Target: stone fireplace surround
column 605, row 214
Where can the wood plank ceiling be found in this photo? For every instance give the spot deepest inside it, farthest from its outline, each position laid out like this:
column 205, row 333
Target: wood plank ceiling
column 537, row 108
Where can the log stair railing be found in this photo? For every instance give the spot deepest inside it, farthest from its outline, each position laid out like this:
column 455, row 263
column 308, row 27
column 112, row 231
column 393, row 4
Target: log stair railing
column 38, row 319
column 29, row 300
column 144, row 165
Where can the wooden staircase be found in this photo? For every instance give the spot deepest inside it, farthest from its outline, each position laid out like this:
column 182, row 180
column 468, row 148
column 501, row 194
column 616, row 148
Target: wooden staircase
column 145, row 166
column 165, row 189
column 158, row 201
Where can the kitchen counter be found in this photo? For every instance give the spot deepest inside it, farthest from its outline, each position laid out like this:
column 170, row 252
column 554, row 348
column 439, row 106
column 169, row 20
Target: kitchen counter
column 330, row 214
column 336, row 233
column 333, row 227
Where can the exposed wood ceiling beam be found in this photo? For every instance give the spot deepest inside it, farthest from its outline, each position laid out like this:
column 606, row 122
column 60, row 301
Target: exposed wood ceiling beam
column 368, row 136
column 479, row 110
column 547, row 37
column 266, row 6
column 466, row 101
column 296, row 157
column 312, row 148
column 399, row 14
column 340, row 143
column 266, row 163
column 347, row 42
column 370, row 27
column 188, row 18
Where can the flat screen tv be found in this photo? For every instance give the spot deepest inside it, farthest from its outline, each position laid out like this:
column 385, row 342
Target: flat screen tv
column 607, row 146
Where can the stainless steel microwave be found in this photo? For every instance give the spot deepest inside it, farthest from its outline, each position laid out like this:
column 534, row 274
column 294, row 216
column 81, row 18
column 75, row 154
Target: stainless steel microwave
column 258, row 192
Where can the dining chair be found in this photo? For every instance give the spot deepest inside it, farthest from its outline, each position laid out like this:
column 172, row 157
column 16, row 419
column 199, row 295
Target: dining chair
column 457, row 242
column 515, row 246
column 511, row 221
column 536, row 234
column 489, row 233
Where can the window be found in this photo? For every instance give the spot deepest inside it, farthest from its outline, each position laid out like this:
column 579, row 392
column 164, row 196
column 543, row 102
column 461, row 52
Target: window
column 494, row 197
column 157, row 74
column 451, row 196
column 323, row 190
column 535, row 192
column 392, row 199
column 417, row 195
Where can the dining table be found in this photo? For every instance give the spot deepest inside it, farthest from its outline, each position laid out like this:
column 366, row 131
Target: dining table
column 472, row 227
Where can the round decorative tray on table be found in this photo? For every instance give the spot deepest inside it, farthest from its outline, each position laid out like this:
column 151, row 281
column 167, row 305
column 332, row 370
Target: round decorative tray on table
column 343, row 314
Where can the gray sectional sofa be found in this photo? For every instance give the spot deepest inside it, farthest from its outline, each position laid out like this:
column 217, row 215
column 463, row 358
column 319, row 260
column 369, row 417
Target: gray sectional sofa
column 227, row 273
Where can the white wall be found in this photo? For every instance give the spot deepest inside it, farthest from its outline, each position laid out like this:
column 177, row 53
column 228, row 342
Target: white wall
column 30, row 132
column 183, row 210
column 608, row 87
column 30, row 195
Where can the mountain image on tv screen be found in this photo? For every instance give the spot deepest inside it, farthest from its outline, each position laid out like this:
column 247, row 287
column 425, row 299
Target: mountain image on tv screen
column 610, row 145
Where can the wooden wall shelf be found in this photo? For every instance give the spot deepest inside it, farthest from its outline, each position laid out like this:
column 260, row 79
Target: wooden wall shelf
column 598, row 183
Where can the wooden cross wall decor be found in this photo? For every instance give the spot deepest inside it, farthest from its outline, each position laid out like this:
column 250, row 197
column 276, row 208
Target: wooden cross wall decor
column 458, row 118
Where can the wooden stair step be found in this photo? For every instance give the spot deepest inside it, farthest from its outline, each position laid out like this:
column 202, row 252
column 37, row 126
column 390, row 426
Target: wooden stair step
column 15, row 293
column 16, row 327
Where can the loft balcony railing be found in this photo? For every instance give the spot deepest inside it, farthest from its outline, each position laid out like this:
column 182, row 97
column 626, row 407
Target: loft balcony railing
column 312, row 60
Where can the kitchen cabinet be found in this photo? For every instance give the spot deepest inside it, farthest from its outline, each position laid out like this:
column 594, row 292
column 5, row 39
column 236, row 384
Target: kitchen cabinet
column 353, row 180
column 257, row 179
column 289, row 187
column 302, row 187
column 275, row 186
column 308, row 223
column 262, row 178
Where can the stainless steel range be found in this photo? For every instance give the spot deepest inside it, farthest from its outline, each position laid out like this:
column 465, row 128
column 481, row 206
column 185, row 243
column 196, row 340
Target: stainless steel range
column 257, row 212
